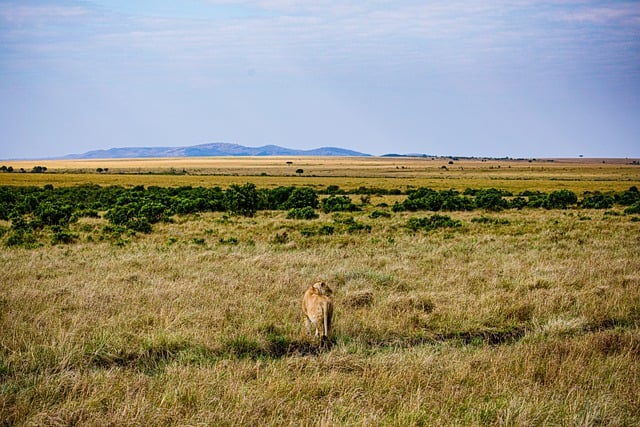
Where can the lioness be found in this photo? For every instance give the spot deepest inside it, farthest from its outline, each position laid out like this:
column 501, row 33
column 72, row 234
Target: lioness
column 317, row 307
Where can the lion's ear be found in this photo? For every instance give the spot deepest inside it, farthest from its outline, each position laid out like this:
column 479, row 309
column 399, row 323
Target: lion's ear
column 317, row 287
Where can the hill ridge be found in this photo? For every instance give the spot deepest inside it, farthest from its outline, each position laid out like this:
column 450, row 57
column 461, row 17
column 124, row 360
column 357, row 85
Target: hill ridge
column 211, row 149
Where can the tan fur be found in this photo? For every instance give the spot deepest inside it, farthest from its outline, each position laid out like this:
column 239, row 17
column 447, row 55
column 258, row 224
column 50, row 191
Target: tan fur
column 317, row 307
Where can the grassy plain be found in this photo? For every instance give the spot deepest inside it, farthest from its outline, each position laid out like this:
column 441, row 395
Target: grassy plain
column 514, row 175
column 522, row 317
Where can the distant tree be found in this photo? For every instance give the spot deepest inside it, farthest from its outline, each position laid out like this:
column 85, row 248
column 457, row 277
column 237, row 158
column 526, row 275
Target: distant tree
column 299, row 171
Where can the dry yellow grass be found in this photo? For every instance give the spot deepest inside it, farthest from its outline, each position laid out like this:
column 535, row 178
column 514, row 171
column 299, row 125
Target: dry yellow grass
column 514, row 175
column 530, row 322
column 532, row 319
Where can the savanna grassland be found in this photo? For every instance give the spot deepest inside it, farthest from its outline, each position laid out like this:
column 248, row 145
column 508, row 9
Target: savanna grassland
column 519, row 306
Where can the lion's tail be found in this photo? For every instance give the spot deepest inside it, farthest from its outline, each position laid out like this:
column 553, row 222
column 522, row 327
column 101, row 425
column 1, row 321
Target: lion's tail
column 328, row 314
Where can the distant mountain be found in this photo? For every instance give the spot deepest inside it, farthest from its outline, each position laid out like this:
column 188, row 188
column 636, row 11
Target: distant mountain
column 212, row 149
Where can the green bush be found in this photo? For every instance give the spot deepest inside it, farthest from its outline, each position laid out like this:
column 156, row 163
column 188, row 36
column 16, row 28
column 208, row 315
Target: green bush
column 301, row 198
column 302, row 213
column 491, row 199
column 597, row 200
column 24, row 238
column 431, row 223
column 560, row 199
column 431, row 200
column 62, row 236
column 140, row 224
column 326, row 230
column 379, row 214
column 633, row 209
column 423, row 199
column 242, row 199
column 338, row 204
column 51, row 213
column 628, row 197
column 353, row 226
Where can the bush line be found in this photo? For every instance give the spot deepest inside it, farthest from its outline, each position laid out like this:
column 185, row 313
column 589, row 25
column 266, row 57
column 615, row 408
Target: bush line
column 136, row 209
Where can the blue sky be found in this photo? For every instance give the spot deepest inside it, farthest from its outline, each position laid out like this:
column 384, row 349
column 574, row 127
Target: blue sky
column 516, row 78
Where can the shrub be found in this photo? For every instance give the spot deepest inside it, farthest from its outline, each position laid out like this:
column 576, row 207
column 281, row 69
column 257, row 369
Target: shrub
column 62, row 235
column 276, row 198
column 23, row 238
column 431, row 223
column 302, row 198
column 308, row 231
column 398, row 207
column 20, row 223
column 560, row 199
column 453, row 201
column 491, row 199
column 333, row 190
column 140, row 224
column 379, row 214
column 302, row 213
column 628, row 197
column 50, row 213
column 518, row 203
column 338, row 204
column 354, row 226
column 326, row 230
column 153, row 211
column 432, row 200
column 633, row 209
column 242, row 199
column 597, row 200
column 423, row 199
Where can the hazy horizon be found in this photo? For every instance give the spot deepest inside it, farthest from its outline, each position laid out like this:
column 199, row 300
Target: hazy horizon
column 525, row 79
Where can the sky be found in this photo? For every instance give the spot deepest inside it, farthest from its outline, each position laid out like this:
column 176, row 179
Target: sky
column 497, row 78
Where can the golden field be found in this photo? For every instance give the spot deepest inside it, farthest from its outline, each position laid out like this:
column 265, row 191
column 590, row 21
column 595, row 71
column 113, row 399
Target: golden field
column 517, row 317
column 385, row 172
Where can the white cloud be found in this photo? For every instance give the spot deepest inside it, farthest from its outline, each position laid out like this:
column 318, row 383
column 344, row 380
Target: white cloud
column 627, row 14
column 20, row 14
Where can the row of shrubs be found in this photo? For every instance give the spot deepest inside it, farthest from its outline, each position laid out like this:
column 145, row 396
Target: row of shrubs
column 138, row 208
column 495, row 200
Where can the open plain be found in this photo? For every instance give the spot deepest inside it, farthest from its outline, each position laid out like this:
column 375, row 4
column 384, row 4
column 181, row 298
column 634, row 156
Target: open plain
column 510, row 316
